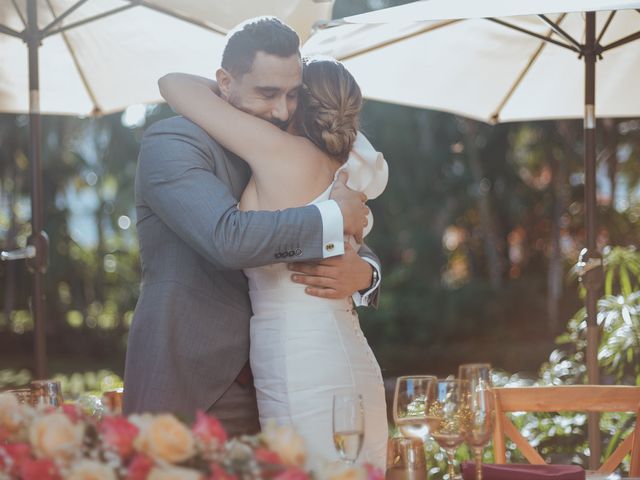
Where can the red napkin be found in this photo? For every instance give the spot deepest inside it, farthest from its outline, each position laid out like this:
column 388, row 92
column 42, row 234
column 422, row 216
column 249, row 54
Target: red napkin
column 523, row 472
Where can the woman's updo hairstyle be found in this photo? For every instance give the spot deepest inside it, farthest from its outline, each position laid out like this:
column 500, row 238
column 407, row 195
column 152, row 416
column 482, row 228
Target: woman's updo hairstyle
column 331, row 101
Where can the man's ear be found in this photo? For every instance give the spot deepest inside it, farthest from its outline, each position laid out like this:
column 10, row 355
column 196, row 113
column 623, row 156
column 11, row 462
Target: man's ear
column 224, row 79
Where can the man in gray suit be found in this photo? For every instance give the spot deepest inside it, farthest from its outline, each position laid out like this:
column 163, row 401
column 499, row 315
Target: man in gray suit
column 189, row 341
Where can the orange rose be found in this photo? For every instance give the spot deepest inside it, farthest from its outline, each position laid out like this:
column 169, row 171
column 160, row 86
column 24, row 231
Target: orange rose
column 11, row 417
column 287, row 443
column 165, row 438
column 54, row 436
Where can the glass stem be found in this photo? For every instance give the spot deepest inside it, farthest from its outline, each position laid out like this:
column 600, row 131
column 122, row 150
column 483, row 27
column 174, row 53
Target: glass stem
column 451, row 454
column 478, row 457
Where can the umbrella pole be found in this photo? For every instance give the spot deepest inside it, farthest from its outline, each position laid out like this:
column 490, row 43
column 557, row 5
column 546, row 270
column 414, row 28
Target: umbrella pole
column 590, row 257
column 37, row 264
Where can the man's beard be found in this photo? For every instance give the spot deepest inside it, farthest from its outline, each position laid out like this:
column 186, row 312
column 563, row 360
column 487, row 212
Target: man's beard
column 281, row 124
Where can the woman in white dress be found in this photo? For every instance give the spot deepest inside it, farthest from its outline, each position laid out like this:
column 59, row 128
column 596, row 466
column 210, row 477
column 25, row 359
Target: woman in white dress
column 304, row 349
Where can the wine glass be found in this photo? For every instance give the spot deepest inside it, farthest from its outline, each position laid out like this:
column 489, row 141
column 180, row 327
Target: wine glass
column 446, row 416
column 409, row 402
column 348, row 425
column 481, row 407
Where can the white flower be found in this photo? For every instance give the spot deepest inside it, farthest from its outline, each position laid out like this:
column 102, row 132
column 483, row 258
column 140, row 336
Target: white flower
column 286, row 442
column 174, row 473
column 91, row 470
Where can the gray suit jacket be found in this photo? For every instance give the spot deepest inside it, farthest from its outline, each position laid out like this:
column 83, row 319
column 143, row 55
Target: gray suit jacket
column 190, row 333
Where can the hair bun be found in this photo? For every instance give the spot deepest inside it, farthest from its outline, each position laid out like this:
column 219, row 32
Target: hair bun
column 339, row 135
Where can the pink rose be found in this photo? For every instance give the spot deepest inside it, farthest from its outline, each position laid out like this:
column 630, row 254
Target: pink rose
column 19, row 453
column 218, row 473
column 139, row 467
column 43, row 469
column 209, row 431
column 293, row 474
column 118, row 434
column 373, row 473
column 73, row 412
column 264, row 455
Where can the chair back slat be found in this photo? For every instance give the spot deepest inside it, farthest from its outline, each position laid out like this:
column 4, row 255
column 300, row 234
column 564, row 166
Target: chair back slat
column 567, row 398
column 571, row 398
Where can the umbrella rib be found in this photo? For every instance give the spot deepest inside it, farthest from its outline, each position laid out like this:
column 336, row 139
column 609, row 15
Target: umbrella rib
column 96, row 108
column 606, row 25
column 427, row 29
column 560, row 32
column 215, row 29
column 64, row 15
column 534, row 34
column 88, row 20
column 15, row 5
column 10, row 31
column 622, row 41
column 496, row 114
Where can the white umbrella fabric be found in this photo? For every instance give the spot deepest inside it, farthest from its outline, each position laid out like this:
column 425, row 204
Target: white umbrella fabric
column 500, row 60
column 113, row 61
column 99, row 56
column 480, row 69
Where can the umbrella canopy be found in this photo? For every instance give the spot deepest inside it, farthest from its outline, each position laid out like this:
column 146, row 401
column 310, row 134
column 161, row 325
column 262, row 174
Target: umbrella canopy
column 107, row 54
column 499, row 60
column 521, row 77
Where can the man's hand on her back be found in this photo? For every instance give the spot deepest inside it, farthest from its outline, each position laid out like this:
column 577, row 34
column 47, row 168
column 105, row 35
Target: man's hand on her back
column 351, row 203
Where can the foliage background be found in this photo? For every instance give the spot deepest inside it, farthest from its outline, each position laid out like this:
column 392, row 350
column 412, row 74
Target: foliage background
column 477, row 232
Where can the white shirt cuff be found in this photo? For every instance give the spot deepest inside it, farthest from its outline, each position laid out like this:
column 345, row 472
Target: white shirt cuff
column 332, row 228
column 362, row 300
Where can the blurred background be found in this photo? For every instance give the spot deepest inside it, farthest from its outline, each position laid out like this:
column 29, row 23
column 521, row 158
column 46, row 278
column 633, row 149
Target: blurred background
column 477, row 231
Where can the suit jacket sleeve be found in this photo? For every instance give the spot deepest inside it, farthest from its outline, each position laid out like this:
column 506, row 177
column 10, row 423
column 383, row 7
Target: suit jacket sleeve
column 177, row 180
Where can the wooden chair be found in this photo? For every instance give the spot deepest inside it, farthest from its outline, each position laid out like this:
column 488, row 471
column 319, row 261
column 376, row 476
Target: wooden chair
column 569, row 398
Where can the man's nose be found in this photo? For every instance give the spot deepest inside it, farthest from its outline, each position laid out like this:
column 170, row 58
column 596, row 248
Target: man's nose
column 280, row 109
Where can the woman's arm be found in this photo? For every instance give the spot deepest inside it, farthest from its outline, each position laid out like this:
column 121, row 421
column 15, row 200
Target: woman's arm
column 255, row 140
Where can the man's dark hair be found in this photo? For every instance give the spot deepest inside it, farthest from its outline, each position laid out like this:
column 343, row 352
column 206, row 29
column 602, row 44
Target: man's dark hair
column 262, row 34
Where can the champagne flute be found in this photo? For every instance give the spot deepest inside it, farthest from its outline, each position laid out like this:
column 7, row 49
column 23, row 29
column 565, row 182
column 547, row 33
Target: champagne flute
column 478, row 374
column 409, row 402
column 480, row 422
column 481, row 407
column 348, row 426
column 446, row 417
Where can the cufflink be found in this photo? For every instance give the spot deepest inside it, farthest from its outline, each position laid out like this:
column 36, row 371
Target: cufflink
column 329, row 247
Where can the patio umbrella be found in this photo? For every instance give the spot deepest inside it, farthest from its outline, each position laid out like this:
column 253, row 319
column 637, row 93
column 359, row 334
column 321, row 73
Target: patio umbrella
column 99, row 56
column 499, row 60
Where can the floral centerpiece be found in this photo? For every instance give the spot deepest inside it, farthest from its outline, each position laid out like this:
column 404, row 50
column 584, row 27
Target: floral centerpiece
column 65, row 443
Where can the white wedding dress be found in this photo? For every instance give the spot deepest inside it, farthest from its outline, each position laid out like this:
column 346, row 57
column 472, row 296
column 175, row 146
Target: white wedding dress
column 305, row 349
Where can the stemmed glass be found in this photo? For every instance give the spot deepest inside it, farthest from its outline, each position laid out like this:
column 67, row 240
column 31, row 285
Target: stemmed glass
column 348, row 425
column 409, row 403
column 481, row 406
column 446, row 416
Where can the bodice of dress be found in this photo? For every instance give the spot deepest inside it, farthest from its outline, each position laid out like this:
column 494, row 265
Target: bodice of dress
column 270, row 286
